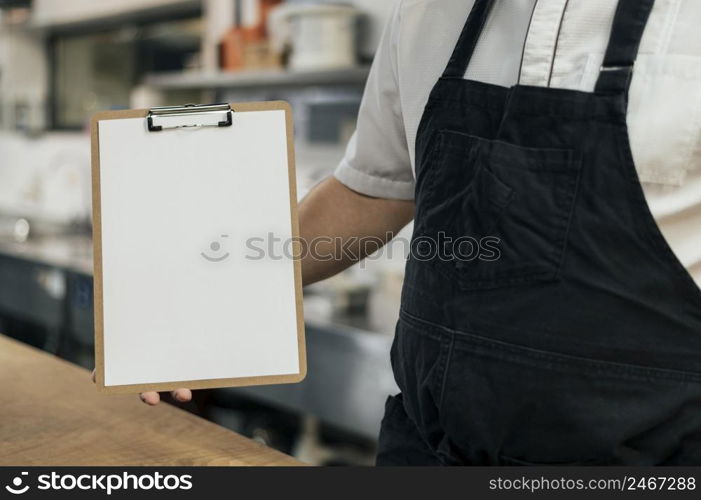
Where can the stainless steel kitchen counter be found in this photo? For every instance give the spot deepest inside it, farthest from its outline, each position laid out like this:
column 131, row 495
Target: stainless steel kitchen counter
column 67, row 252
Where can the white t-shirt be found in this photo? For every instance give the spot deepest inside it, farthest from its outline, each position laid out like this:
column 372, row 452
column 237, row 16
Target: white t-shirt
column 555, row 43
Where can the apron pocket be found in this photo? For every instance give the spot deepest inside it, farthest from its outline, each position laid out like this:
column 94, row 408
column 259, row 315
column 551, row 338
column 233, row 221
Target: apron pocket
column 450, row 163
column 419, row 358
column 499, row 212
column 505, row 404
column 484, row 202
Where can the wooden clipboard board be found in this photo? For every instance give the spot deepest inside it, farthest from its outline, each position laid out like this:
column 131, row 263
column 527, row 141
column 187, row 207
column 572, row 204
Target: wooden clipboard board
column 293, row 376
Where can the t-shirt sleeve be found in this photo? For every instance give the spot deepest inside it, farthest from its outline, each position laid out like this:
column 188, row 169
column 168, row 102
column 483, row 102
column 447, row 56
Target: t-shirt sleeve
column 377, row 162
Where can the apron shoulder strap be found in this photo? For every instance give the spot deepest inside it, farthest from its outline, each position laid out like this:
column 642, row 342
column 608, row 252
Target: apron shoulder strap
column 626, row 33
column 471, row 31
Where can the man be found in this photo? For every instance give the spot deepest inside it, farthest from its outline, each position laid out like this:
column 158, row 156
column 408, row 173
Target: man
column 511, row 122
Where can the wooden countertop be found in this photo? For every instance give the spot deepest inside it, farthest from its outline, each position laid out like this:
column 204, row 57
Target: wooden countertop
column 52, row 415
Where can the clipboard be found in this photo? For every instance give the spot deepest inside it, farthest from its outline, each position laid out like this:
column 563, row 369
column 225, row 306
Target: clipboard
column 182, row 296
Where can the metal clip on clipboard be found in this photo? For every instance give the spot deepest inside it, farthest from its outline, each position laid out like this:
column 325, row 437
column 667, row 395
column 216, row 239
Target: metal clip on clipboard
column 189, row 109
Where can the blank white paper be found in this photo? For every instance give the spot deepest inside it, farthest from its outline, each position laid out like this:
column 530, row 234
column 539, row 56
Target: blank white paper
column 191, row 290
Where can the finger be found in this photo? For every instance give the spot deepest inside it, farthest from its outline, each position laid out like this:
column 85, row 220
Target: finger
column 92, row 376
column 182, row 395
column 150, row 398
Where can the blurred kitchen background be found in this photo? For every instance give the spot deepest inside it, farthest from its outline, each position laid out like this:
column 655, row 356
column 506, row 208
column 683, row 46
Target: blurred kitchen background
column 63, row 60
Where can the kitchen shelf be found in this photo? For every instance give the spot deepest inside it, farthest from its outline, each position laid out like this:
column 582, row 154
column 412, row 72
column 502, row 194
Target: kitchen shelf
column 47, row 14
column 262, row 78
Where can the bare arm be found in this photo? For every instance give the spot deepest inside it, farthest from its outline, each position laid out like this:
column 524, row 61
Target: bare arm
column 333, row 216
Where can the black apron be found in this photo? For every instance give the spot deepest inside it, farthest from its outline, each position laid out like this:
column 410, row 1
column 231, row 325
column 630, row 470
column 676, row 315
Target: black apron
column 545, row 319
